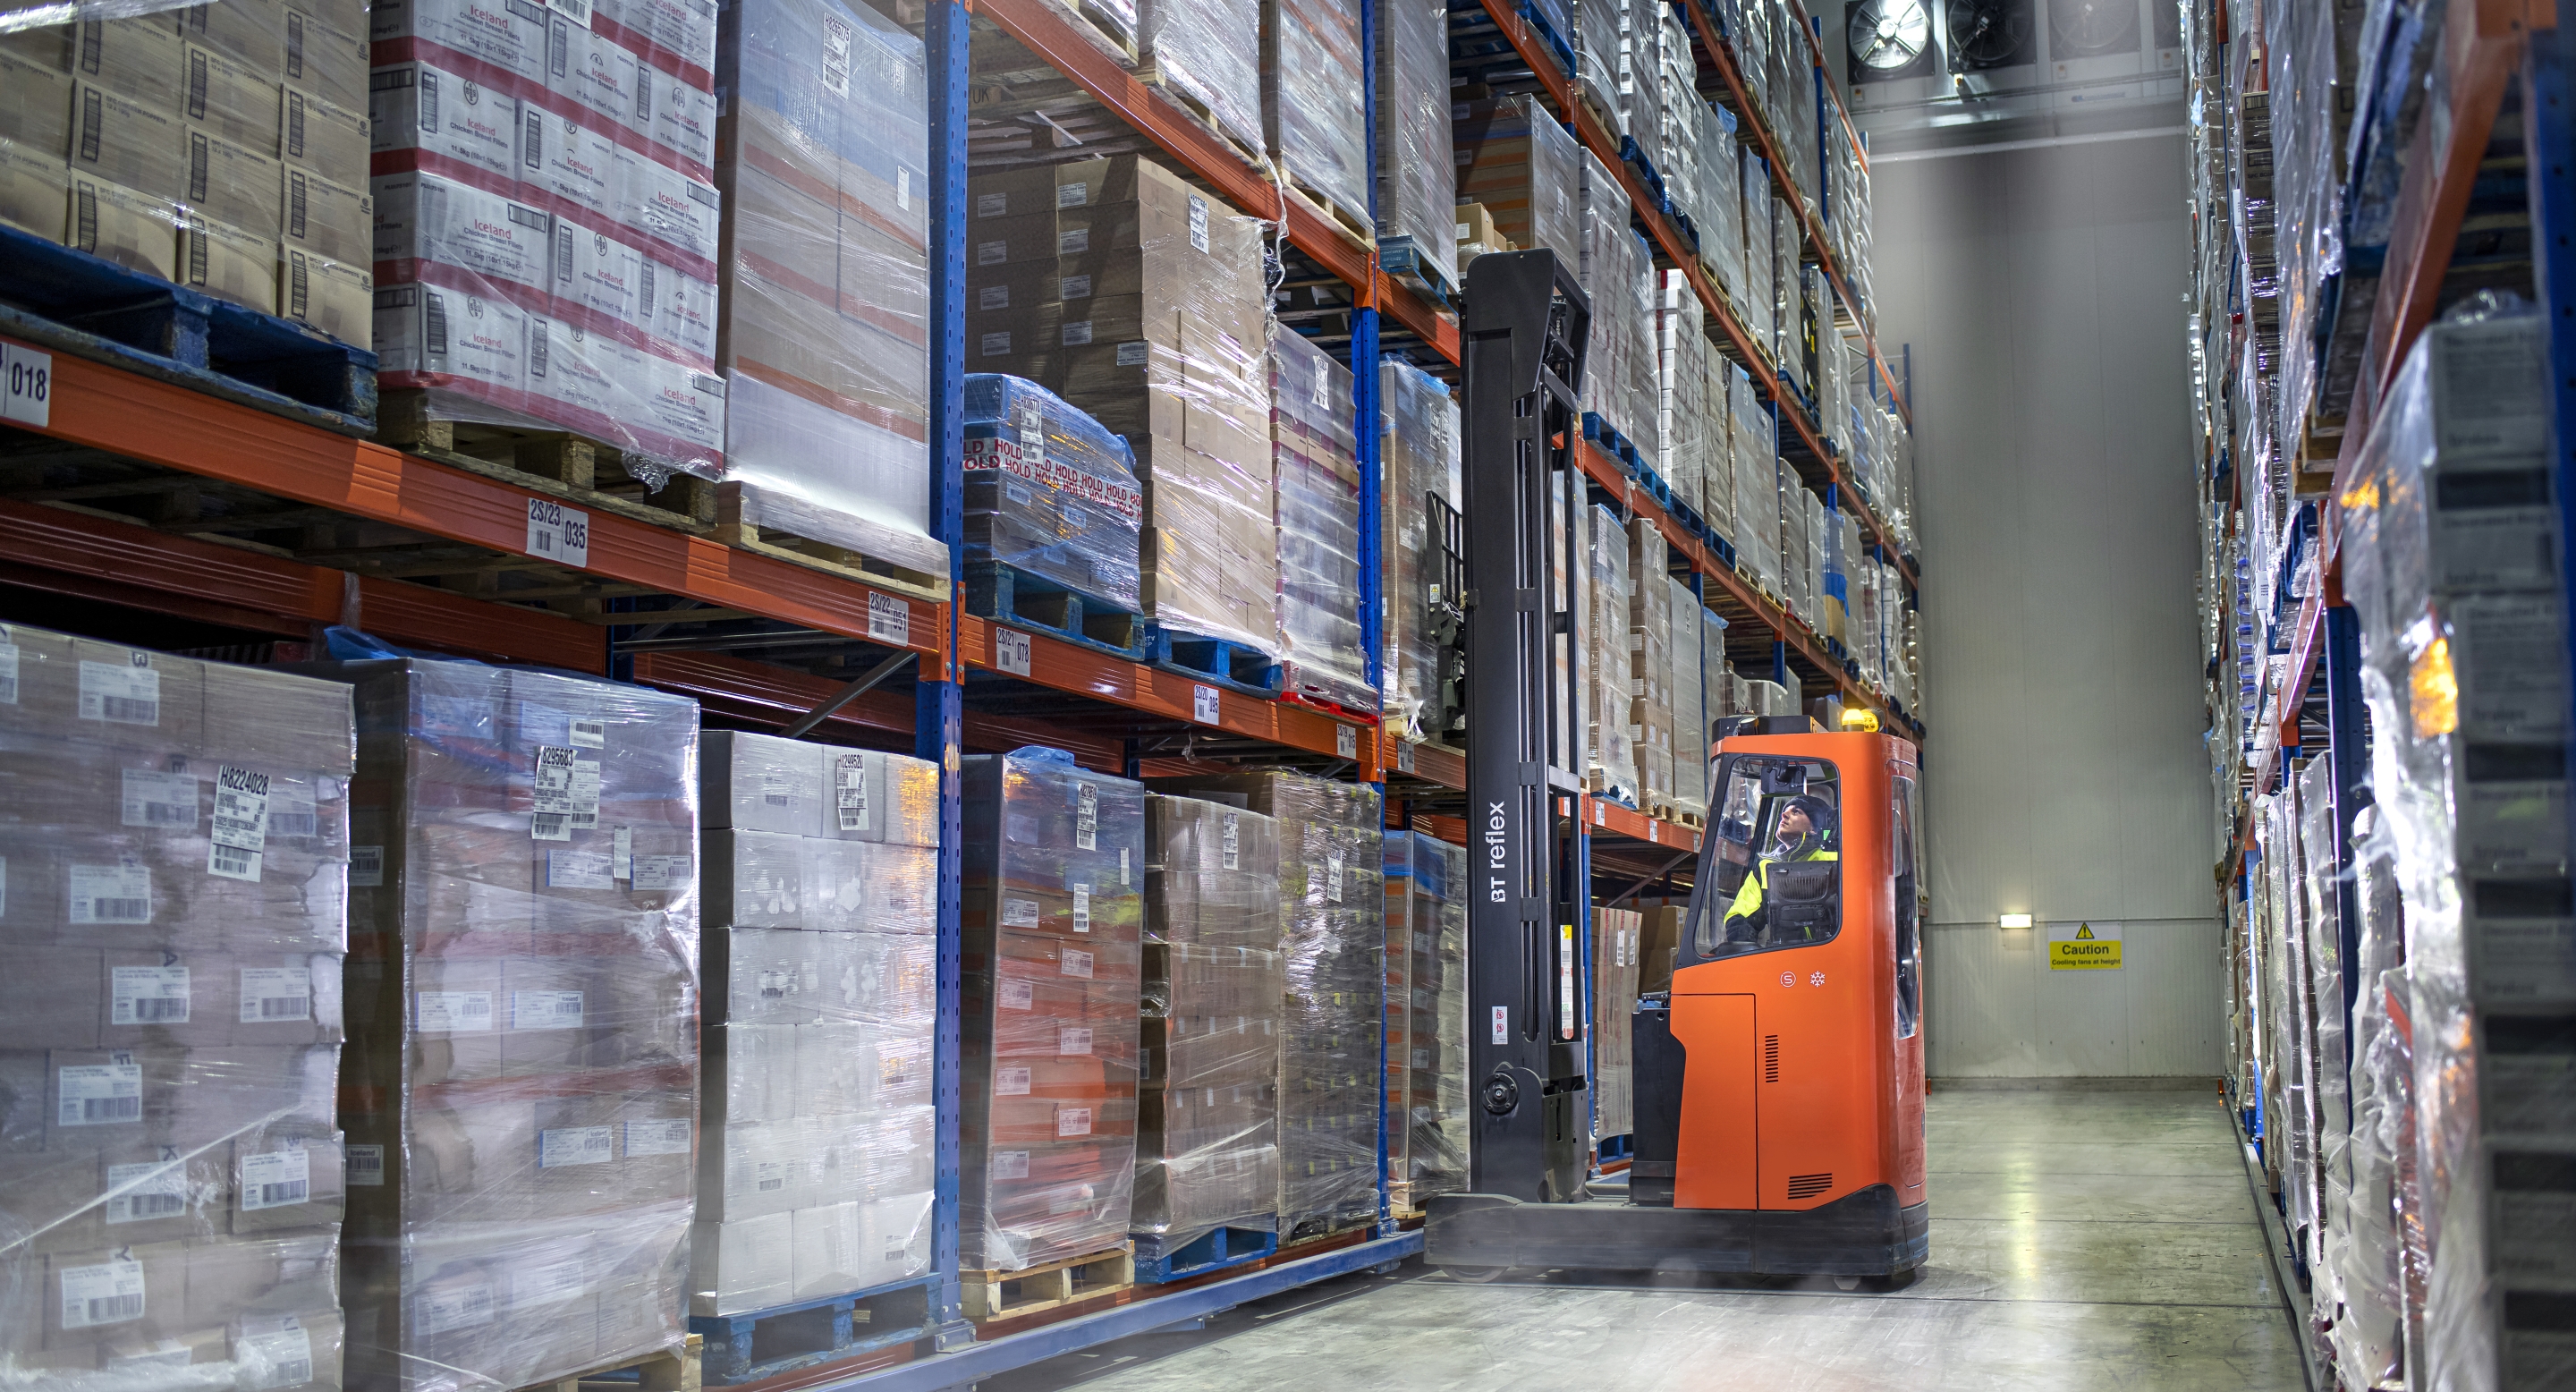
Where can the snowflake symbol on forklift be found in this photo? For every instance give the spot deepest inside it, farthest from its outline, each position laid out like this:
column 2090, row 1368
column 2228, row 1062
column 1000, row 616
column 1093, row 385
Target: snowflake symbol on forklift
column 1788, row 978
column 1816, row 980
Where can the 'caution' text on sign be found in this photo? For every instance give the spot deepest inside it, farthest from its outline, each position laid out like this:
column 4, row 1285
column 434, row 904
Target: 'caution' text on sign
column 2088, row 946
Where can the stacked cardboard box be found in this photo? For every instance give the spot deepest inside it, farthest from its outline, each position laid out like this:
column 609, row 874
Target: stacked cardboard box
column 1618, row 275
column 1640, row 73
column 1314, row 439
column 1126, row 292
column 1207, row 1130
column 1310, row 65
column 223, row 146
column 1754, row 307
column 822, row 897
column 171, row 1179
column 1048, row 491
column 1426, row 1017
column 1417, row 176
column 1687, row 426
column 1719, row 214
column 1604, row 670
column 1757, row 486
column 1615, row 934
column 1053, row 917
column 1649, row 703
column 1596, row 60
column 545, row 225
column 1691, row 698
column 1209, row 52
column 523, row 1047
column 1418, row 447
column 1333, row 945
column 823, row 298
column 1528, row 174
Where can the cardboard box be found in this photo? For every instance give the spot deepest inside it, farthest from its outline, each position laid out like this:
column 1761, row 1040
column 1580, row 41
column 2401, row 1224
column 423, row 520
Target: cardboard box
column 139, row 1290
column 132, row 142
column 231, row 98
column 429, row 108
column 35, row 104
column 34, row 189
column 252, row 31
column 1663, row 934
column 326, row 54
column 329, row 219
column 228, row 263
column 134, row 230
column 140, row 57
column 336, row 297
column 323, row 136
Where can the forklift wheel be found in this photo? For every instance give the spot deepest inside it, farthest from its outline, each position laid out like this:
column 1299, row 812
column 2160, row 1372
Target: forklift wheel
column 1475, row 1275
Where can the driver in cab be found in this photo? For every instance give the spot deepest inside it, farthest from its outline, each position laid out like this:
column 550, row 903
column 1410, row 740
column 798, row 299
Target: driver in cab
column 1806, row 836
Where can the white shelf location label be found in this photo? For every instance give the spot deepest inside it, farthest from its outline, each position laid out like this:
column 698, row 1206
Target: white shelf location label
column 1203, row 706
column 1346, row 741
column 26, row 386
column 558, row 533
column 1010, row 651
column 889, row 620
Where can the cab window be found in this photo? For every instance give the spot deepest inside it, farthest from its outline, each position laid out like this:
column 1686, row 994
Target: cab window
column 1771, row 871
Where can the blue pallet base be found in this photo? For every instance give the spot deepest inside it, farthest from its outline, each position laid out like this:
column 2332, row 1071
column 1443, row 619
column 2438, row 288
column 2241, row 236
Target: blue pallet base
column 1209, row 1251
column 1615, row 1147
column 1216, row 661
column 1005, row 593
column 810, row 1333
column 1399, row 258
column 1547, row 34
column 1725, row 548
column 70, row 301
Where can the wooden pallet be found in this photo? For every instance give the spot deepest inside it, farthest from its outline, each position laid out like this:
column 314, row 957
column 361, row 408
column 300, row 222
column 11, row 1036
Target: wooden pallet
column 1355, row 229
column 1694, row 818
column 557, row 463
column 786, row 529
column 1150, row 72
column 1001, row 1295
column 671, row 1370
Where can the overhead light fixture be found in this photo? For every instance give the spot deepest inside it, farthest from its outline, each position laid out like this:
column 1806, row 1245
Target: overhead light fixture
column 2016, row 920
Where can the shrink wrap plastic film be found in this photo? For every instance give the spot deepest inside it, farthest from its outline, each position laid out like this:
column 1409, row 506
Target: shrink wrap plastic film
column 546, row 225
column 2370, row 1263
column 821, row 889
column 1310, row 66
column 523, row 1003
column 1684, row 416
column 1417, row 194
column 1418, row 447
column 1210, row 51
column 1648, row 700
column 1332, row 944
column 1207, row 1134
column 2451, row 536
column 1755, row 302
column 1528, row 173
column 1616, row 934
column 171, row 1166
column 1757, row 485
column 824, row 292
column 1049, row 491
column 1695, row 703
column 1596, row 60
column 1618, row 273
column 1426, row 1016
column 1128, row 293
column 1315, row 457
column 1053, row 919
column 1613, row 767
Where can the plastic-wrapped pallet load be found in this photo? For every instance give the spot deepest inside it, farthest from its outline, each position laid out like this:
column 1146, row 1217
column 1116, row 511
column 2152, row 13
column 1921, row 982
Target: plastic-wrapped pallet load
column 1691, row 701
column 1720, row 213
column 1570, row 733
column 1527, row 173
column 1310, row 66
column 1757, row 490
column 1602, row 269
column 1209, row 52
column 1417, row 191
column 1754, row 306
column 1053, row 917
column 1049, row 492
column 171, row 1187
column 1613, row 767
column 1333, row 944
column 1725, row 690
column 1207, row 1130
column 2450, row 539
column 211, row 150
column 1681, row 382
column 1640, row 75
column 1418, row 448
column 1426, row 1013
column 1718, row 429
column 1649, row 704
column 824, row 295
column 1615, row 934
column 1126, row 292
column 1596, row 60
column 523, row 1048
column 821, row 896
column 546, row 224
column 1315, row 457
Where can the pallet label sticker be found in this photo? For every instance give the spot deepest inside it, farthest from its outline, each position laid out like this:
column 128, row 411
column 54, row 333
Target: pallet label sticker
column 108, row 1293
column 1011, row 652
column 2084, row 946
column 161, row 801
column 148, row 996
column 889, row 620
column 271, row 994
column 366, row 1166
column 26, row 386
column 277, row 1179
column 148, row 1189
column 99, row 1094
column 558, row 533
column 240, row 834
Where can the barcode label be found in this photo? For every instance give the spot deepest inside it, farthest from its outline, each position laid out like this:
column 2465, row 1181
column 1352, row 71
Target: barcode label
column 1076, row 963
column 1072, row 1121
column 661, row 1136
column 1010, row 1082
column 152, row 1189
column 1081, row 908
column 1346, row 741
column 889, row 620
column 148, row 996
column 558, row 533
column 1198, row 222
column 1018, row 995
column 99, row 1094
column 276, row 1179
column 1230, row 839
column 127, row 695
column 293, row 817
column 545, row 1010
column 111, row 894
column 453, row 1012
column 454, row 1307
column 108, row 1293
column 272, row 994
column 551, row 819
column 240, row 834
column 550, row 826
column 1206, row 707
column 661, row 872
column 161, row 801
column 367, row 1166
column 366, row 867
column 542, row 1284
column 1010, row 651
column 575, row 1145
column 578, row 870
column 586, row 732
column 1086, row 817
column 1333, row 878
column 1010, row 1164
column 768, row 1176
column 8, row 674
column 1073, row 1041
column 1019, row 913
column 850, row 791
column 279, row 1358
column 1134, row 353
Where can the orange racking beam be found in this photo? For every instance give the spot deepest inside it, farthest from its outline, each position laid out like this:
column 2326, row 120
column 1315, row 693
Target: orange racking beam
column 758, row 691
column 159, row 423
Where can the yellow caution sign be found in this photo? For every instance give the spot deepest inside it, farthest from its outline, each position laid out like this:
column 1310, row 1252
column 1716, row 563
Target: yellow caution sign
column 2086, row 946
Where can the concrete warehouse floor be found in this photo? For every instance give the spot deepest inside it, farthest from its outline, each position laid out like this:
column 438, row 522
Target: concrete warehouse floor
column 2080, row 1240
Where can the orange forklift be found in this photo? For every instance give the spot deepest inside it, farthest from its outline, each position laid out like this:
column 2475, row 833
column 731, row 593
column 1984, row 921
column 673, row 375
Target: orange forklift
column 1779, row 1083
